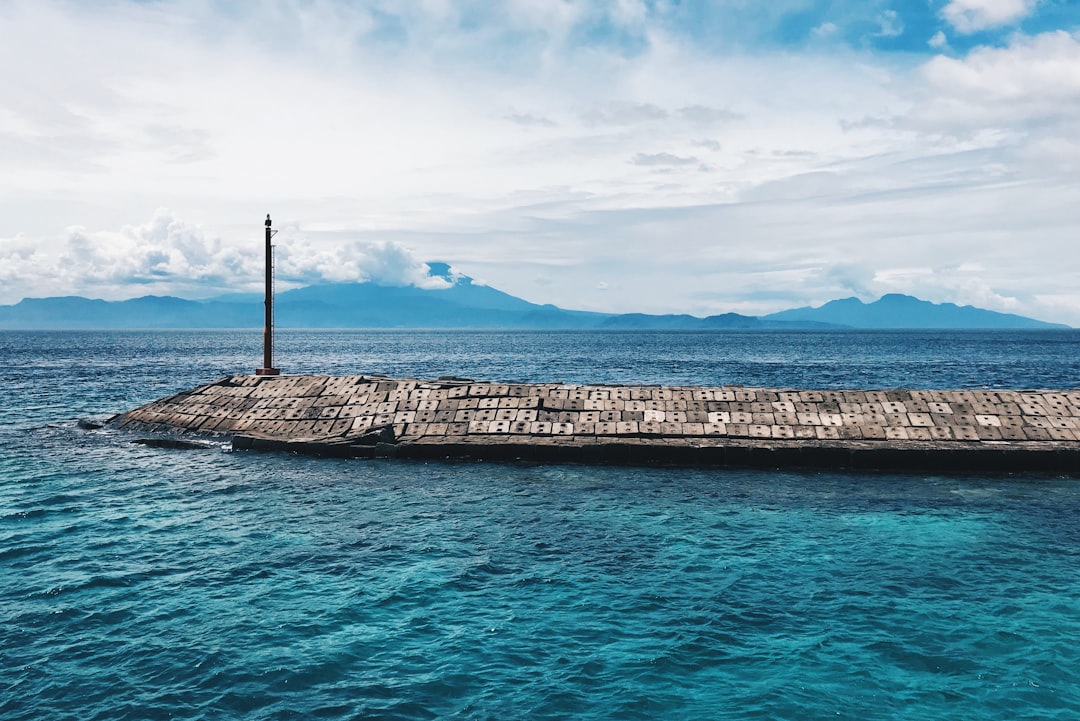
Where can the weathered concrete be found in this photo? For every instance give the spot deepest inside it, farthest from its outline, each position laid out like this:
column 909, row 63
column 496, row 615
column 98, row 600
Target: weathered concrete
column 368, row 416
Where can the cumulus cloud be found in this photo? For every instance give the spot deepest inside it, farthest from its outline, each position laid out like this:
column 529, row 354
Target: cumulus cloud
column 167, row 255
column 970, row 16
column 162, row 255
column 380, row 262
column 1031, row 78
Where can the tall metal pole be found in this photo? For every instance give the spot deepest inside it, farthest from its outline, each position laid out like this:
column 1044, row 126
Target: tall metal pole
column 268, row 368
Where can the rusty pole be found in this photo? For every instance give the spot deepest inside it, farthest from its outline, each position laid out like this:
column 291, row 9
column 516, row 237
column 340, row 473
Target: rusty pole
column 268, row 368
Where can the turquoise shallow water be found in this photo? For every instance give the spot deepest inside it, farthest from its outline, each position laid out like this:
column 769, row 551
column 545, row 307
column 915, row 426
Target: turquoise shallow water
column 140, row 583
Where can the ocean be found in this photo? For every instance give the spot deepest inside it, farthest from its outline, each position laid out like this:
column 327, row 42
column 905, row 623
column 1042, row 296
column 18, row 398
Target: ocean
column 147, row 583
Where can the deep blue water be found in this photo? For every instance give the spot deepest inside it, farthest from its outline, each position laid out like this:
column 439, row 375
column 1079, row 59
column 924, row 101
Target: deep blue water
column 140, row 583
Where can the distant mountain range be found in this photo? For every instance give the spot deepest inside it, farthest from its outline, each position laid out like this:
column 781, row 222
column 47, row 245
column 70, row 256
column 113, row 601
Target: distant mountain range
column 896, row 311
column 466, row 304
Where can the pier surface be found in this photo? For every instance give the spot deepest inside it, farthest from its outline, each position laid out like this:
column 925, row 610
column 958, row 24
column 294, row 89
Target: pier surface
column 366, row 416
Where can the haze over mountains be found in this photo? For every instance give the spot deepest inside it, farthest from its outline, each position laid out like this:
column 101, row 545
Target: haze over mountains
column 465, row 304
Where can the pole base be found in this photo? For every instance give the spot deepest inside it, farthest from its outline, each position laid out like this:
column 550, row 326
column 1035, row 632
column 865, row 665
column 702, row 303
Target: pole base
column 267, row 371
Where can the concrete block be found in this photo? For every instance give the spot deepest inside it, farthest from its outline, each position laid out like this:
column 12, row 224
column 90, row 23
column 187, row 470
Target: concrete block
column 965, row 433
column 499, row 427
column 873, row 431
column 417, row 429
column 782, row 431
column 759, row 430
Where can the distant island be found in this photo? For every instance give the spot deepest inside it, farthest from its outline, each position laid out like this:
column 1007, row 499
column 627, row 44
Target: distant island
column 468, row 305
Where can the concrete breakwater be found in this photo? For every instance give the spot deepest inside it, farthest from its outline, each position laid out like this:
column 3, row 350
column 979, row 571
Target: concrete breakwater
column 372, row 416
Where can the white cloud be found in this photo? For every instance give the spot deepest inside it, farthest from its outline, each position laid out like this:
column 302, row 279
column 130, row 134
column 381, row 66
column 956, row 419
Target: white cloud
column 169, row 256
column 890, row 24
column 969, row 16
column 938, row 41
column 1033, row 79
column 381, row 262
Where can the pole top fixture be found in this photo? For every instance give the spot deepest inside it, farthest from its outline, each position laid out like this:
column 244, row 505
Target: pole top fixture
column 267, row 220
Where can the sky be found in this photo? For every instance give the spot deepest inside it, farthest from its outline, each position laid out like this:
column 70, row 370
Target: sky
column 624, row 156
